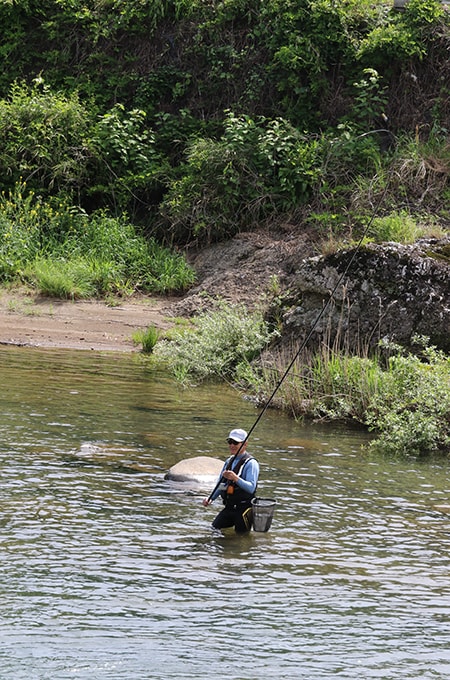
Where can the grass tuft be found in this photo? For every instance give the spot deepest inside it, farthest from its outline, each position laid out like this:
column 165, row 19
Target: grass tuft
column 147, row 338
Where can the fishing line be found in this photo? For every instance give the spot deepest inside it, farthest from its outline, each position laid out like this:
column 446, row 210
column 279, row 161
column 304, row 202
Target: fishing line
column 321, row 313
column 308, row 337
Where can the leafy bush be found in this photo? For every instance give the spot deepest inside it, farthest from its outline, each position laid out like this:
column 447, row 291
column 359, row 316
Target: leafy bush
column 44, row 139
column 370, row 100
column 346, row 158
column 411, row 410
column 216, row 346
column 404, row 37
column 58, row 146
column 255, row 169
column 127, row 167
column 306, row 42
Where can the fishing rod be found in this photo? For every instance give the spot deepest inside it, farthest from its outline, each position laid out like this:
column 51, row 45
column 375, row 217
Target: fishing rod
column 316, row 321
column 309, row 335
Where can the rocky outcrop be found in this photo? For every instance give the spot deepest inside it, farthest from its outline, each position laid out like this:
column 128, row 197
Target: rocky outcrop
column 388, row 291
column 242, row 270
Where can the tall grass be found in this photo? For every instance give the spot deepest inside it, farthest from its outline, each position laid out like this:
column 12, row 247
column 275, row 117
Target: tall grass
column 411, row 409
column 66, row 253
column 404, row 400
column 327, row 384
column 61, row 279
column 147, row 337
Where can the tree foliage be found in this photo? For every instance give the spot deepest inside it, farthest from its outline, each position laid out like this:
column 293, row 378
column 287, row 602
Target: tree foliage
column 200, row 119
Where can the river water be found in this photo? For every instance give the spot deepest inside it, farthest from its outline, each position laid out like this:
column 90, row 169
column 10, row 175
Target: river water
column 111, row 572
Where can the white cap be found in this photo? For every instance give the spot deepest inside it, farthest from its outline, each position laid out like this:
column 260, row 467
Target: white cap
column 238, row 435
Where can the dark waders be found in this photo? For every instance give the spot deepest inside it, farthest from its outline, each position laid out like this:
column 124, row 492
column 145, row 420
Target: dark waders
column 238, row 515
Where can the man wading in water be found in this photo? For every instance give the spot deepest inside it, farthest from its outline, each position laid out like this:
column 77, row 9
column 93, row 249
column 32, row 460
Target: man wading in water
column 237, row 486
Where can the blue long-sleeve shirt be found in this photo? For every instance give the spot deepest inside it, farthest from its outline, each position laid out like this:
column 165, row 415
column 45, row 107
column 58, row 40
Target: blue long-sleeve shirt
column 248, row 475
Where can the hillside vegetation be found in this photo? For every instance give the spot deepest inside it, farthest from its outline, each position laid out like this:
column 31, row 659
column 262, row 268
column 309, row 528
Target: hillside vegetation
column 199, row 119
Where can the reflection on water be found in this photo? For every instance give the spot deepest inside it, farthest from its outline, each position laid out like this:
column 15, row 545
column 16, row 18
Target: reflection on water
column 109, row 571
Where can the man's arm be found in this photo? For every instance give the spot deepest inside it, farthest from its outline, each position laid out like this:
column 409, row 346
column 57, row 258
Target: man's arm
column 250, row 474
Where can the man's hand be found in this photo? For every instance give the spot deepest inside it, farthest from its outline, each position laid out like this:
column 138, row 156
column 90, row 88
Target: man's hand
column 230, row 475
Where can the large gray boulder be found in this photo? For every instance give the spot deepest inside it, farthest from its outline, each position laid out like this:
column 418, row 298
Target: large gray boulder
column 200, row 470
column 388, row 291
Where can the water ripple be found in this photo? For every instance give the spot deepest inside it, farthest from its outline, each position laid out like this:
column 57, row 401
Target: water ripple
column 112, row 572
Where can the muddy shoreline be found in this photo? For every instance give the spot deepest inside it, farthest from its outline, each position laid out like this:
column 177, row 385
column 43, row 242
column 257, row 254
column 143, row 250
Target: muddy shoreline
column 33, row 321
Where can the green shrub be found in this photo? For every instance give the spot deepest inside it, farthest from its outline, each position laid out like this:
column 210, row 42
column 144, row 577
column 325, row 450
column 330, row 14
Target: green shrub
column 370, row 100
column 346, row 158
column 126, row 168
column 219, row 342
column 57, row 145
column 411, row 410
column 44, row 139
column 257, row 168
column 403, row 37
column 306, row 41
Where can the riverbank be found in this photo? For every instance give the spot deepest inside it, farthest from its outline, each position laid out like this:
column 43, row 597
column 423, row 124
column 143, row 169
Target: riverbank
column 393, row 290
column 34, row 321
column 238, row 271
